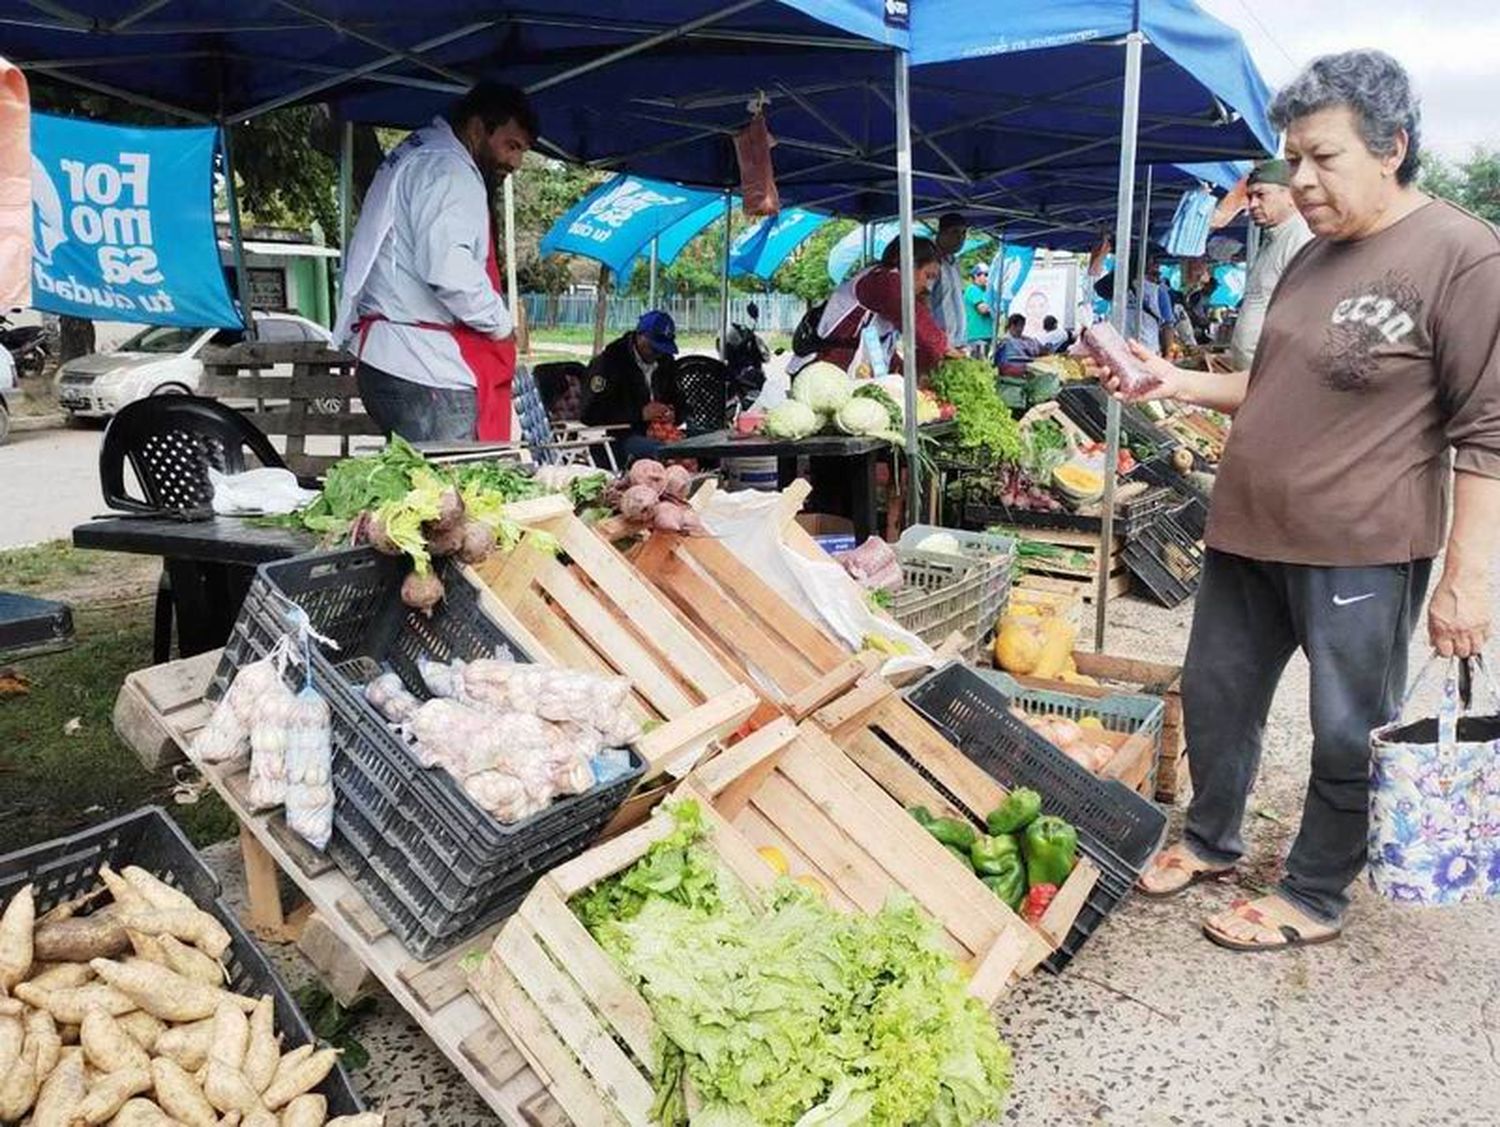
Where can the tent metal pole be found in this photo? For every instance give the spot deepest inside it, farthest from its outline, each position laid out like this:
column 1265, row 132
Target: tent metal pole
column 908, row 288
column 1124, row 206
column 651, row 290
column 724, row 277
column 1144, row 244
column 346, row 195
column 512, row 284
column 600, row 307
column 997, row 309
column 236, row 239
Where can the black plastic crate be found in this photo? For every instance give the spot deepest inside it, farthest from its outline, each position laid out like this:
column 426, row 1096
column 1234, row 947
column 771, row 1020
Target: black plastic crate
column 1118, row 830
column 1130, row 516
column 421, row 822
column 1167, row 560
column 30, row 626
column 1087, row 405
column 1192, row 513
column 67, row 867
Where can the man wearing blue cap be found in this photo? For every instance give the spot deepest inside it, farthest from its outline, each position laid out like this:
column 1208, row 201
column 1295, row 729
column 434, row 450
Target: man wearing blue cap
column 633, row 383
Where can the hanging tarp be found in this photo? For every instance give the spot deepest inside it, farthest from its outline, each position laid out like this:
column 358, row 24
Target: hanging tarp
column 124, row 224
column 760, row 250
column 614, row 221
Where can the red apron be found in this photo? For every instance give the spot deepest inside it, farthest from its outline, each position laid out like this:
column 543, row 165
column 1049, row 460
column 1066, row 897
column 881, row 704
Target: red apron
column 492, row 362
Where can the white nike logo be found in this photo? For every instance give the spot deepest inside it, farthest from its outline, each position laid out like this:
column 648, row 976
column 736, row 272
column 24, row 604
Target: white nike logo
column 1340, row 601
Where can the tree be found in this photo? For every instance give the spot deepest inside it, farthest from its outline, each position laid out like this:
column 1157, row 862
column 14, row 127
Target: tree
column 1473, row 183
column 805, row 273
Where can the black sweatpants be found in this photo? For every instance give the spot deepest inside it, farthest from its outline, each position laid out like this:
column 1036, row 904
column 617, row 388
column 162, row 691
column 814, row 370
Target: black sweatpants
column 1354, row 624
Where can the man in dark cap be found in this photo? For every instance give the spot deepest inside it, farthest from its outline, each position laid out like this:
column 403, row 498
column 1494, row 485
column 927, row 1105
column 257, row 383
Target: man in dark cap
column 633, row 383
column 1282, row 233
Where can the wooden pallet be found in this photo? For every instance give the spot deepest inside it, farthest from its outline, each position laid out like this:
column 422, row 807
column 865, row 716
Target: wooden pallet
column 916, row 766
column 1081, row 590
column 584, row 1027
column 160, row 709
column 1149, row 678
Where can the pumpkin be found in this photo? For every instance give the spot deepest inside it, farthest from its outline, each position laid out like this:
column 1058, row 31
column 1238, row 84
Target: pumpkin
column 1078, row 483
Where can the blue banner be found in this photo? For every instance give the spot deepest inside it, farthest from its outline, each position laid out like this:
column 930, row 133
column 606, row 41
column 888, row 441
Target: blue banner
column 1229, row 284
column 123, row 224
column 1006, row 282
column 620, row 217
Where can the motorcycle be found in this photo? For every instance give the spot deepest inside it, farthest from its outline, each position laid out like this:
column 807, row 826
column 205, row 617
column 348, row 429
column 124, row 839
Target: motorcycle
column 27, row 345
column 745, row 356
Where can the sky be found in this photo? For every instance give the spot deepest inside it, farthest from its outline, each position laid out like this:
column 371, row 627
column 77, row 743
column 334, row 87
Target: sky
column 1450, row 48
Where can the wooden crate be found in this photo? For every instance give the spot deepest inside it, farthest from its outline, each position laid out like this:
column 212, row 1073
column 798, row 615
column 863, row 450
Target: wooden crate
column 595, row 611
column 915, row 765
column 1150, row 678
column 571, row 1012
column 316, row 398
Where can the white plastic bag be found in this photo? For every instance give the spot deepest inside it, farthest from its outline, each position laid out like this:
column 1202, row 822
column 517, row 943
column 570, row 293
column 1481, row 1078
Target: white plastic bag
column 265, row 490
column 270, row 735
column 227, row 733
column 309, row 769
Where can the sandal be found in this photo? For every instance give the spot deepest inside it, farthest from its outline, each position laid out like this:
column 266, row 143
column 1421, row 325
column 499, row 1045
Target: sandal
column 1277, row 926
column 1178, row 859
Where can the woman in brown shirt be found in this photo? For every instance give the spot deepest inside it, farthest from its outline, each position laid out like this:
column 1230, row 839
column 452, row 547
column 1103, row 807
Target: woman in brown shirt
column 1380, row 358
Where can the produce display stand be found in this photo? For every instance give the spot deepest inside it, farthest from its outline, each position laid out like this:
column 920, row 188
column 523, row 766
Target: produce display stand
column 582, row 1025
column 1065, row 577
column 916, row 765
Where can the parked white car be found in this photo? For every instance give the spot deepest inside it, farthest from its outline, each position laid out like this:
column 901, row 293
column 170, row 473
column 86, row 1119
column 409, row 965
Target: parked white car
column 9, row 390
column 163, row 361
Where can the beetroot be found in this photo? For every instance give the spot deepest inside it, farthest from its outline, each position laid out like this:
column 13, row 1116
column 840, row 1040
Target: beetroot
column 478, row 541
column 450, row 511
column 668, row 518
column 422, row 592
column 1103, row 343
column 638, row 503
column 648, row 472
column 379, row 538
column 444, row 541
column 678, row 482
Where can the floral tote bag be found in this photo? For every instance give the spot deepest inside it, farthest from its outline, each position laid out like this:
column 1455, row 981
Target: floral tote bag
column 1435, row 799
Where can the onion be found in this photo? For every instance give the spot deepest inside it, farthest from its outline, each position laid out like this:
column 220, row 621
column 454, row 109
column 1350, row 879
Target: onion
column 1065, row 731
column 478, row 541
column 422, row 592
column 638, row 503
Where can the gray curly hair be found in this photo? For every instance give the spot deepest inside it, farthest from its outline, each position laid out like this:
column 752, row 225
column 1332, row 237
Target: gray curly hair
column 1372, row 84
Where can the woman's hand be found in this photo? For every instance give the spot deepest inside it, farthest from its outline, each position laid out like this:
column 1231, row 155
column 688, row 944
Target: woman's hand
column 1171, row 381
column 1458, row 618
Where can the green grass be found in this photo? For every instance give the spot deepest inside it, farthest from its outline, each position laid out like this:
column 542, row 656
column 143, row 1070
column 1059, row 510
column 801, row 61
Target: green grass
column 54, row 783
column 45, row 568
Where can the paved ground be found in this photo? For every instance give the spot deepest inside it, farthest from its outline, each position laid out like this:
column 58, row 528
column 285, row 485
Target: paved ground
column 49, row 481
column 1151, row 1026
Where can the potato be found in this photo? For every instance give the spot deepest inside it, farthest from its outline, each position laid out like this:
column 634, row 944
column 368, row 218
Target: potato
column 107, row 1046
column 69, row 1006
column 62, row 1092
column 109, row 1092
column 292, row 1080
column 188, row 1044
column 231, row 1036
column 165, row 994
column 305, row 1111
column 77, row 940
column 62, row 976
column 191, row 962
column 142, row 1028
column 180, row 1096
column 264, row 1051
column 42, row 1037
column 228, row 1090
column 141, row 1113
column 190, row 925
column 16, row 948
column 157, row 892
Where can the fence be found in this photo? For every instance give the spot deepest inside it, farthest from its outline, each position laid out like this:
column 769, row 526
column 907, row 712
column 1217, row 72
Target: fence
column 779, row 313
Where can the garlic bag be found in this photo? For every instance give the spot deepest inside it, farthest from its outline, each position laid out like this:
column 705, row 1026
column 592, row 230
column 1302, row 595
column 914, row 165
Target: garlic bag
column 227, row 733
column 309, row 769
column 443, row 679
column 389, row 697
column 270, row 732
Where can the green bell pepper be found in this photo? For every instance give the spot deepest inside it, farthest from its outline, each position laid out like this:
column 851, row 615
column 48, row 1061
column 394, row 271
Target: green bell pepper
column 991, row 854
column 1050, row 846
column 950, row 831
column 1010, row 882
column 1019, row 809
column 921, row 814
column 961, row 854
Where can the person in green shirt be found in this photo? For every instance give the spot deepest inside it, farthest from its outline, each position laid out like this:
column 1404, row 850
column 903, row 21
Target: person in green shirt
column 981, row 319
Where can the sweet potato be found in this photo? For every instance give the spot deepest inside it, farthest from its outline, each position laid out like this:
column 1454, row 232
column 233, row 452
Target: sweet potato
column 264, row 1051
column 139, row 1112
column 188, row 1044
column 18, row 1087
column 10, row 1007
column 108, row 1094
column 166, row 994
column 16, row 927
column 228, row 1090
column 121, row 891
column 12, row 1040
column 191, row 962
column 187, row 924
column 61, row 1093
column 179, row 1094
column 231, row 1036
column 302, row 1076
column 309, row 1110
column 67, row 909
column 146, row 947
column 156, row 892
column 107, row 1047
column 142, row 1028
column 363, row 1119
column 77, row 940
column 43, row 1039
column 260, row 1118
column 67, row 1007
column 61, row 976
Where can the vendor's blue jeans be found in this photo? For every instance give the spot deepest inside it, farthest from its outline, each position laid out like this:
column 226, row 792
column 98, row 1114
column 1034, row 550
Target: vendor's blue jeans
column 1354, row 624
column 416, row 412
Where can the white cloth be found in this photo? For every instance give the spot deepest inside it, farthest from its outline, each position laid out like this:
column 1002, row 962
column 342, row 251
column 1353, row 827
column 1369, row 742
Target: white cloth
column 1054, row 340
column 1278, row 246
column 947, row 300
column 419, row 255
